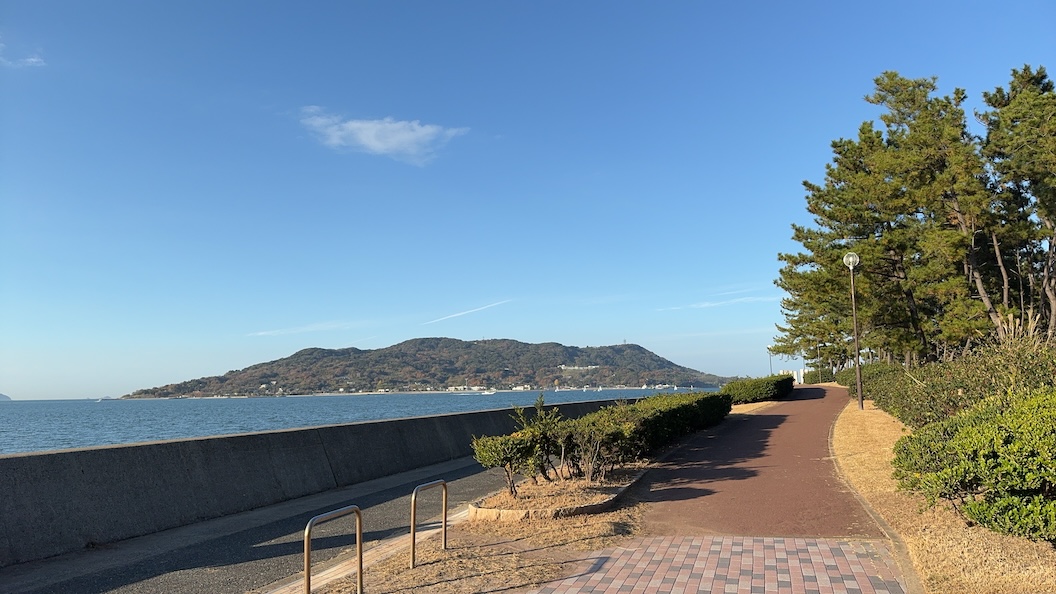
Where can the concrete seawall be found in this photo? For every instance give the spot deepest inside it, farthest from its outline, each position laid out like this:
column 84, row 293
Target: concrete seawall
column 58, row 502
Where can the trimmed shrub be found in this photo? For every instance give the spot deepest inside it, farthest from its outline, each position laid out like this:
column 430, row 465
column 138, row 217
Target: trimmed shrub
column 623, row 433
column 819, row 376
column 996, row 462
column 919, row 457
column 542, row 431
column 663, row 419
column 892, row 388
column 937, row 391
column 598, row 444
column 759, row 389
column 591, row 445
column 511, row 453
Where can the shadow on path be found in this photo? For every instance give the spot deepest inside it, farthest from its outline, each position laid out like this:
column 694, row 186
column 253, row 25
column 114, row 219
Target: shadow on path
column 764, row 474
column 719, row 454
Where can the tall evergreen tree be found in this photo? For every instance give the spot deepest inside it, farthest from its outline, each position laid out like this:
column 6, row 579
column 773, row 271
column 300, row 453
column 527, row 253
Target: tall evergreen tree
column 1020, row 147
column 948, row 228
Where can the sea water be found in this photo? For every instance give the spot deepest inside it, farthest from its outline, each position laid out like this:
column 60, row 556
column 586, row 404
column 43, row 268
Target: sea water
column 42, row 425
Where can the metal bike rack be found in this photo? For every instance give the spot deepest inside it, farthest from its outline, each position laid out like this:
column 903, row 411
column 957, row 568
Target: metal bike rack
column 414, row 513
column 337, row 513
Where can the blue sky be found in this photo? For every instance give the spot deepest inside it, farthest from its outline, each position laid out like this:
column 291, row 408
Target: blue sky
column 188, row 188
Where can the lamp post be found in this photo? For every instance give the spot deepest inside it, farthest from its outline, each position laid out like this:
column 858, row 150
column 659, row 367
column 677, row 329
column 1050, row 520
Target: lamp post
column 818, row 366
column 771, row 354
column 850, row 259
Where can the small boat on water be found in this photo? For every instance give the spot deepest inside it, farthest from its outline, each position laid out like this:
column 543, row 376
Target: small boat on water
column 487, row 392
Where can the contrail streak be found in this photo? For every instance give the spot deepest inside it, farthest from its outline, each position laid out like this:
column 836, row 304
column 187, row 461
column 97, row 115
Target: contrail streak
column 465, row 312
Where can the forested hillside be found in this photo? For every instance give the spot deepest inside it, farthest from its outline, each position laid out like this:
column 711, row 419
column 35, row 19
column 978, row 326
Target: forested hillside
column 439, row 363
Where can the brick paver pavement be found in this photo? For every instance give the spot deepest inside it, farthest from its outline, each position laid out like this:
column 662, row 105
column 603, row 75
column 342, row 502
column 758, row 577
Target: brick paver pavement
column 752, row 565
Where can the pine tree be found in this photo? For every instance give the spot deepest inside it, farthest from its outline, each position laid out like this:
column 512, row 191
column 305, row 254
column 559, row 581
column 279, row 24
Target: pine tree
column 955, row 233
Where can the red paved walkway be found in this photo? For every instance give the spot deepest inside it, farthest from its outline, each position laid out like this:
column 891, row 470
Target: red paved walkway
column 763, row 474
column 754, row 506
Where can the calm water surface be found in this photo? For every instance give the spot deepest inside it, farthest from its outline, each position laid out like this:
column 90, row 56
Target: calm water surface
column 39, row 425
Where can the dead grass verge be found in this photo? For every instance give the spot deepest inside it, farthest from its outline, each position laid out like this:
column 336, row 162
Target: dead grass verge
column 563, row 493
column 498, row 557
column 484, row 556
column 950, row 557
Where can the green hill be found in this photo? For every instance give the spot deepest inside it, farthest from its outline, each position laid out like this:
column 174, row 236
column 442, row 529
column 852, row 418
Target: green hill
column 439, row 363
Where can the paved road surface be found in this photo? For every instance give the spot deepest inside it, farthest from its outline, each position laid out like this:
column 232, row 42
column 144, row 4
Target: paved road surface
column 251, row 550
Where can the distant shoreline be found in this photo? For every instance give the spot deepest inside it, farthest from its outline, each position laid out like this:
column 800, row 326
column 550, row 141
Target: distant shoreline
column 489, row 392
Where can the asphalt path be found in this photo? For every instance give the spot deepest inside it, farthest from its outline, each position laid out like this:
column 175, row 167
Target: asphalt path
column 248, row 551
column 769, row 473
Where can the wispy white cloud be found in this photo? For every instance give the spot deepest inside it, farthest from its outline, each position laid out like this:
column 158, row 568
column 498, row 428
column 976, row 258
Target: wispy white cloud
column 735, row 292
column 27, row 62
column 317, row 327
column 704, row 304
column 403, row 140
column 609, row 299
column 465, row 312
column 740, row 332
column 723, row 303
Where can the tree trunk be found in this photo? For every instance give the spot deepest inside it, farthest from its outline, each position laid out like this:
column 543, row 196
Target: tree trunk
column 999, row 324
column 968, row 230
column 1001, row 267
column 1047, row 282
column 1050, row 293
column 900, row 276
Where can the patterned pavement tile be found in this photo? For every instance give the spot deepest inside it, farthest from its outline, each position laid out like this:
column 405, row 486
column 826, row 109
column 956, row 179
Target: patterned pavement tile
column 737, row 565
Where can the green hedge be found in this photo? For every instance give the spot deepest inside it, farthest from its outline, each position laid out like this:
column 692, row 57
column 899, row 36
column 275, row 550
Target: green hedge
column 892, row 389
column 933, row 392
column 995, row 461
column 619, row 434
column 660, row 420
column 819, row 376
column 984, row 433
column 589, row 446
column 758, row 389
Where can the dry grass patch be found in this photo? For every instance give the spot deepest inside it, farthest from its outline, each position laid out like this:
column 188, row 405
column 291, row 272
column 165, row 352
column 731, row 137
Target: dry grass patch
column 498, row 557
column 563, row 493
column 949, row 556
column 740, row 409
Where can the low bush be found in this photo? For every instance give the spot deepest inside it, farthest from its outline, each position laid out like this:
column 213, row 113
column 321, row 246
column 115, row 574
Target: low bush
column 996, row 462
column 543, row 431
column 589, row 446
column 892, row 388
column 511, row 453
column 878, row 379
column 663, row 419
column 929, row 450
column 819, row 376
column 623, row 433
column 936, row 391
column 759, row 389
column 598, row 443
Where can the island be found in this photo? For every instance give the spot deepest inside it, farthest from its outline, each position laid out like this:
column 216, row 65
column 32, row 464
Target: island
column 444, row 364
